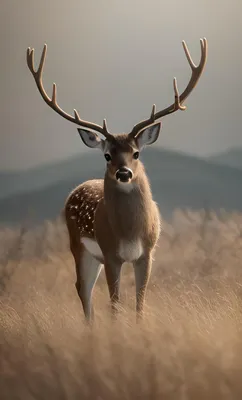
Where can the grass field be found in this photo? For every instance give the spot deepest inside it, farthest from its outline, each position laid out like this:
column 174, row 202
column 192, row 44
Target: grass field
column 189, row 345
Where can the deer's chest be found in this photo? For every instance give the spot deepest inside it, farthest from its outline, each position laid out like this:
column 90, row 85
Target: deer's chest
column 130, row 250
column 127, row 250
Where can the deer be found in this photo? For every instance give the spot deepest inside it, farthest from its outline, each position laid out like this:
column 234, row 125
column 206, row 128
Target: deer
column 115, row 220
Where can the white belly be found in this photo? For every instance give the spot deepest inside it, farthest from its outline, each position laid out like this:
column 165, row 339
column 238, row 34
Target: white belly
column 92, row 246
column 130, row 251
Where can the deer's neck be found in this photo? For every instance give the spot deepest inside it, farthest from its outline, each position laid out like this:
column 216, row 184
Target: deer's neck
column 128, row 205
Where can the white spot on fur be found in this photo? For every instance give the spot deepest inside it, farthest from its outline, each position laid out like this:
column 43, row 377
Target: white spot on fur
column 92, row 246
column 130, row 251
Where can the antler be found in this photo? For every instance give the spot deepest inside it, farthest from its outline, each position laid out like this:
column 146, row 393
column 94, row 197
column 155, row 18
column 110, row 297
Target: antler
column 52, row 101
column 177, row 105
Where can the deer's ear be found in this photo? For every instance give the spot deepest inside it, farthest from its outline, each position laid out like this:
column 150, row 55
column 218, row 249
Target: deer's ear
column 148, row 135
column 91, row 139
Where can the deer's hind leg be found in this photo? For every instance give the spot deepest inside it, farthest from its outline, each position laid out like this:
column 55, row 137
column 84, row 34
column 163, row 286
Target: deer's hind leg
column 88, row 269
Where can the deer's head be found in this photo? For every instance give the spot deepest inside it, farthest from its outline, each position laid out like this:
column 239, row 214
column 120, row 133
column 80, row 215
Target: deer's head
column 121, row 151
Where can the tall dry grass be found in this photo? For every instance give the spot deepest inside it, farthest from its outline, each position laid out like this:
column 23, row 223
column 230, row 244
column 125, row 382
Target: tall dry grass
column 189, row 345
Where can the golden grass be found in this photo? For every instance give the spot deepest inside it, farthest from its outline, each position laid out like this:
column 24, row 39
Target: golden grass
column 189, row 345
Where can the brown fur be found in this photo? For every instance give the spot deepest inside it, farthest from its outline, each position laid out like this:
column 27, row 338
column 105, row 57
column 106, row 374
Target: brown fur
column 111, row 215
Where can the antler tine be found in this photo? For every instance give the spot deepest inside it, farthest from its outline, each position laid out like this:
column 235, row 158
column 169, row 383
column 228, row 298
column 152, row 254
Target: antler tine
column 30, row 60
column 177, row 104
column 152, row 116
column 42, row 62
column 105, row 129
column 179, row 99
column 188, row 55
column 52, row 102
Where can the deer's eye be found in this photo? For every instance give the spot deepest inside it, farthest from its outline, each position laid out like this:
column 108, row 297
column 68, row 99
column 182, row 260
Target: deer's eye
column 108, row 157
column 136, row 155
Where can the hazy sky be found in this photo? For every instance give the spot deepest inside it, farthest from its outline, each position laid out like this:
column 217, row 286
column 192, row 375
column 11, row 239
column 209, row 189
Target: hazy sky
column 114, row 59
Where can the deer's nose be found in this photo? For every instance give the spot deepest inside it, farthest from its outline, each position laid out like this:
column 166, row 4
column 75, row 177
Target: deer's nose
column 124, row 174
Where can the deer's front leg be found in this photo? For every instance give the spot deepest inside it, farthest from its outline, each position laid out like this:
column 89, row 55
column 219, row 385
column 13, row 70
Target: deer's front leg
column 142, row 269
column 112, row 271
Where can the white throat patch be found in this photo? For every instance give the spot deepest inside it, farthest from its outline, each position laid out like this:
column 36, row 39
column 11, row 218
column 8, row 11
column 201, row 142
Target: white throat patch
column 125, row 187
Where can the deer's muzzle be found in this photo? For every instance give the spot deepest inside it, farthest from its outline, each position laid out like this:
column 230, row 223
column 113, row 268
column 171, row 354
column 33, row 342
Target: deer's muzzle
column 124, row 174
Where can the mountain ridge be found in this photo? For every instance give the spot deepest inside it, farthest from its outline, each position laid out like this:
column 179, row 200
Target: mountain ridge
column 177, row 181
column 44, row 175
column 231, row 157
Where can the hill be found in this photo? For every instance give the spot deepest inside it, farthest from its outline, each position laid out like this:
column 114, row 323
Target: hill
column 16, row 182
column 232, row 158
column 177, row 180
